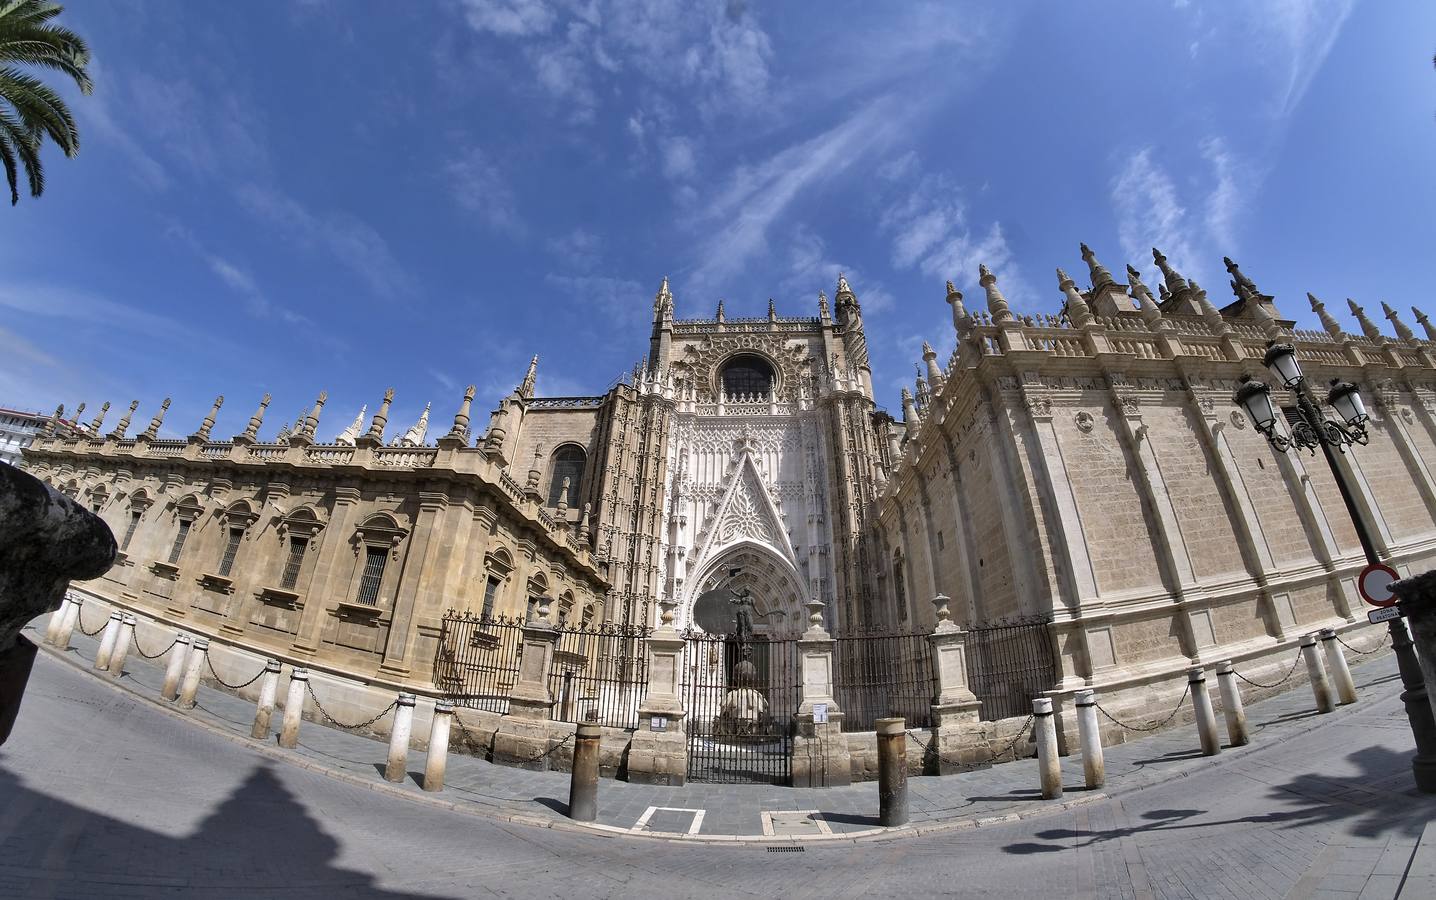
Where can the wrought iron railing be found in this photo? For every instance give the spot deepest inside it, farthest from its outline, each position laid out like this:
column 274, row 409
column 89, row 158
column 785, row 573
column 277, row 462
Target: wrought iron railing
column 599, row 674
column 881, row 675
column 478, row 660
column 1008, row 664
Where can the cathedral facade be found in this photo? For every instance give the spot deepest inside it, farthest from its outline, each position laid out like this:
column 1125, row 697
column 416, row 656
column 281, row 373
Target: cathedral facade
column 1088, row 472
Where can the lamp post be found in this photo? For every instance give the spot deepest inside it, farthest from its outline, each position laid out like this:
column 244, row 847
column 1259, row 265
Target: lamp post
column 1312, row 430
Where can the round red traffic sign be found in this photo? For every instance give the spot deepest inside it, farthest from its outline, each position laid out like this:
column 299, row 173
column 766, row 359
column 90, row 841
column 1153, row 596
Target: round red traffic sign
column 1374, row 584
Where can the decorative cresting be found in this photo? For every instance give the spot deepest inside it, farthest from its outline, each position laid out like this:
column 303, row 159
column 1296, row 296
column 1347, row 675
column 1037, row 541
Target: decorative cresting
column 151, row 432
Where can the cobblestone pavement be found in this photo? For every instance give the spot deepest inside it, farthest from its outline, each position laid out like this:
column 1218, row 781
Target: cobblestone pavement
column 103, row 793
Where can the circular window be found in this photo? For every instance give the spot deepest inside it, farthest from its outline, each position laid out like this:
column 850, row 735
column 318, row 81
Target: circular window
column 747, row 373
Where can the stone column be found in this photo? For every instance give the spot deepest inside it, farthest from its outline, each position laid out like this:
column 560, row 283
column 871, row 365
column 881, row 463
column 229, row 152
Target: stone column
column 1205, row 717
column 1094, row 766
column 398, row 761
column 438, row 756
column 1320, row 687
column 523, row 736
column 421, row 565
column 892, row 772
column 52, row 628
column 122, row 645
column 329, row 569
column 108, row 641
column 193, row 670
column 820, row 751
column 583, row 783
column 174, row 670
column 264, row 709
column 68, row 617
column 1340, row 671
column 1049, row 770
column 658, row 751
column 293, row 708
column 955, row 708
column 1232, row 709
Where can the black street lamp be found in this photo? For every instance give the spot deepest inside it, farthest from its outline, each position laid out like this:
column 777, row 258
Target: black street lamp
column 1313, row 430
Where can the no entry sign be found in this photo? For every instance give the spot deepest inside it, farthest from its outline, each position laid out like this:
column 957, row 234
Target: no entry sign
column 1374, row 584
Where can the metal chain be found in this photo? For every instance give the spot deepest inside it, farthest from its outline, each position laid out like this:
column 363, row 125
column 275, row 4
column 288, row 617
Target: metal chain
column 80, row 621
column 232, row 687
column 1162, row 724
column 1285, row 678
column 338, row 724
column 141, row 650
column 472, row 745
column 1377, row 649
column 1012, row 746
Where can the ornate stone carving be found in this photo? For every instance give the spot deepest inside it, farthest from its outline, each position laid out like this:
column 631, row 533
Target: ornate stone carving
column 1238, row 419
column 1084, row 421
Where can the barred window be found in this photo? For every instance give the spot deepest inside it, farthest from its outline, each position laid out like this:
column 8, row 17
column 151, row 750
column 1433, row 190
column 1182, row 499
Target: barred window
column 491, row 592
column 96, row 502
column 374, row 560
column 747, row 374
column 231, row 547
column 180, row 537
column 297, row 546
column 130, row 528
column 568, row 462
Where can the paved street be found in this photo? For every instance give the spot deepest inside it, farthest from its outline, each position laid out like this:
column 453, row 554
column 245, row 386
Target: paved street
column 102, row 794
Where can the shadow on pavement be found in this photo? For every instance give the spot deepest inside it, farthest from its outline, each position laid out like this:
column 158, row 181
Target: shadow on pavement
column 259, row 842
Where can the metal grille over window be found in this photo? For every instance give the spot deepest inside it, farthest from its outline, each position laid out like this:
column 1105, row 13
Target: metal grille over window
column 297, row 546
column 130, row 529
column 180, row 538
column 568, row 463
column 231, row 547
column 747, row 375
column 491, row 591
column 374, row 559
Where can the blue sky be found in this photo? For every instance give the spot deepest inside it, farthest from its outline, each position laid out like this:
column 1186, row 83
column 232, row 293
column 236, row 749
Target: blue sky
column 306, row 196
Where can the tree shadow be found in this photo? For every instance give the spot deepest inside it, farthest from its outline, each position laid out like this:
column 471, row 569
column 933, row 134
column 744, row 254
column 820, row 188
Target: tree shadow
column 259, row 842
column 1378, row 800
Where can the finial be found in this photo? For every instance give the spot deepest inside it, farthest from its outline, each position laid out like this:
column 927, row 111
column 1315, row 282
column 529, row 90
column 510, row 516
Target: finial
column 583, row 523
column 1367, row 326
column 311, row 422
column 823, row 311
column 1237, row 275
column 120, row 429
column 563, row 496
column 251, row 431
column 154, row 429
column 719, row 316
column 843, row 284
column 909, row 411
column 663, row 300
column 1269, row 326
column 53, row 424
column 1100, row 275
column 535, row 469
column 208, row 423
column 99, row 420
column 1402, row 331
column 1078, row 311
column 996, row 303
column 80, row 411
column 772, row 310
column 526, row 389
column 1420, row 317
column 1210, row 314
column 1146, row 305
column 1174, row 281
column 350, row 435
column 1328, row 321
column 461, row 418
column 961, row 321
column 381, row 417
column 417, row 432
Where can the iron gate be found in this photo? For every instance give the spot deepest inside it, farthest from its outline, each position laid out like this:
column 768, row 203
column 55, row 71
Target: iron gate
column 1009, row 663
column 740, row 699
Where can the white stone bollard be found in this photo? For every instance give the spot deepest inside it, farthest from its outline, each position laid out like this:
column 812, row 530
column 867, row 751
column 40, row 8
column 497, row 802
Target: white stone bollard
column 1340, row 671
column 189, row 689
column 175, row 669
column 1049, row 770
column 122, row 645
column 52, row 629
column 107, row 641
column 264, row 709
column 1316, row 672
column 1094, row 767
column 1206, row 717
column 438, row 757
column 1232, row 709
column 293, row 709
column 69, row 616
column 398, row 762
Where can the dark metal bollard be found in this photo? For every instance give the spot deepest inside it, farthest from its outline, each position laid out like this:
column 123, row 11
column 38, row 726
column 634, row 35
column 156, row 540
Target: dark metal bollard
column 46, row 539
column 1416, row 658
column 583, row 785
column 892, row 772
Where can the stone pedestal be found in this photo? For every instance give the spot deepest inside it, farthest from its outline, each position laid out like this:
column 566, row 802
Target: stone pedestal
column 820, row 750
column 955, row 708
column 658, row 751
column 523, row 736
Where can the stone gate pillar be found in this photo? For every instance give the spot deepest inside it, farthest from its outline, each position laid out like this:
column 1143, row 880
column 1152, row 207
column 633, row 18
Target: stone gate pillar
column 658, row 753
column 955, row 707
column 820, row 749
column 523, row 737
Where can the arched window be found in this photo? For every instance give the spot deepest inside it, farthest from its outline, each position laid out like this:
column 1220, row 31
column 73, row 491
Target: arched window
column 568, row 462
column 749, row 374
column 497, row 566
column 899, row 586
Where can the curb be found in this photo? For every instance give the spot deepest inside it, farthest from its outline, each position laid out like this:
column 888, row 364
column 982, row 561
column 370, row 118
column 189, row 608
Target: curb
column 871, row 835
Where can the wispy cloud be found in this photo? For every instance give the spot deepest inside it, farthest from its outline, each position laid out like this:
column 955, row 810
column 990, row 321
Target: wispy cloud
column 579, row 249
column 622, row 301
column 812, row 268
column 241, row 282
column 356, row 245
column 1304, row 31
column 479, row 188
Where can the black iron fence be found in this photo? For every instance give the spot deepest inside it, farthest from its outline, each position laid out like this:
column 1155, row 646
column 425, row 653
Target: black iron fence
column 599, row 674
column 877, row 676
column 740, row 697
column 1009, row 663
column 478, row 660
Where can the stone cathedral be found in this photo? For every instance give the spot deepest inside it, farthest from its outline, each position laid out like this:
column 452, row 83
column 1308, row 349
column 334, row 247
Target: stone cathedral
column 1087, row 472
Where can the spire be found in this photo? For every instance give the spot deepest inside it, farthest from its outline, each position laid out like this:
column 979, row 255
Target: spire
column 120, row 429
column 351, row 434
column 1210, row 314
column 1163, row 295
column 1328, row 321
column 1367, row 326
column 996, row 303
column 381, row 417
column 53, row 424
column 1269, row 326
column 526, row 389
column 1402, row 331
column 99, row 420
column 414, row 437
column 772, row 310
column 719, row 315
column 311, row 422
column 79, row 411
column 583, row 523
column 1077, row 309
column 1174, row 281
column 154, row 429
column 461, row 418
column 663, row 300
column 1420, row 317
column 823, row 312
column 1100, row 275
column 251, row 431
column 934, row 371
column 961, row 322
column 208, row 423
column 843, row 285
column 1151, row 313
column 1239, row 278
column 909, row 411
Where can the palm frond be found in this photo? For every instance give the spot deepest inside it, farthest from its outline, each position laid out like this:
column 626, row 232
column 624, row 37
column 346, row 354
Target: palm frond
column 40, row 108
column 25, row 144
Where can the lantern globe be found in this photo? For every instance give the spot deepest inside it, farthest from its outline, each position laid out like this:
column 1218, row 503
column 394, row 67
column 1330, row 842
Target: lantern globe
column 1255, row 397
column 1280, row 358
column 1345, row 398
